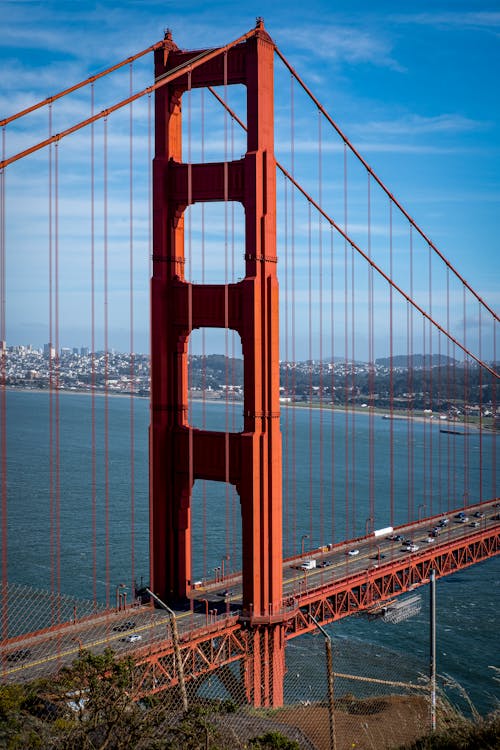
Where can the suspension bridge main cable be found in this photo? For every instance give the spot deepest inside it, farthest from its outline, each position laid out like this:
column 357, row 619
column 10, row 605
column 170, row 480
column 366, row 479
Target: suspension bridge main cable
column 381, row 183
column 369, row 260
column 163, row 80
column 81, row 84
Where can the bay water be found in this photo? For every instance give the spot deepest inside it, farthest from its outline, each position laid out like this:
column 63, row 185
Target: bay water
column 334, row 489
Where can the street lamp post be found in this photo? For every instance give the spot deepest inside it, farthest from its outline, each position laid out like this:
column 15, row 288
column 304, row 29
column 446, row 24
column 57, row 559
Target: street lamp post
column 302, row 540
column 177, row 649
column 119, row 596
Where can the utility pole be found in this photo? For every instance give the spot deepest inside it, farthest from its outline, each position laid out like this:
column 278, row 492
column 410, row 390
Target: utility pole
column 329, row 668
column 432, row 653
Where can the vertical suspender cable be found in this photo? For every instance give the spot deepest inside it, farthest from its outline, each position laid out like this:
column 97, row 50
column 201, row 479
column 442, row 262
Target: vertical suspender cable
column 234, row 494
column 371, row 364
column 293, row 447
column 131, row 333
column 227, row 545
column 430, row 509
column 320, row 282
column 495, row 416
column 408, row 416
column 353, row 392
column 440, row 401
column 203, row 340
column 57, row 400
column 51, row 365
column 92, row 354
column 332, row 383
column 3, row 395
column 286, row 457
column 391, row 371
column 190, row 288
column 465, row 409
column 309, row 277
column 106, row 365
column 411, row 427
column 150, row 191
column 346, row 353
column 424, row 387
column 448, row 387
column 480, row 386
column 454, row 400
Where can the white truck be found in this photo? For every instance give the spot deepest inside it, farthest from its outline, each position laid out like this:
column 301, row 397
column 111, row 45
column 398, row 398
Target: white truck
column 308, row 565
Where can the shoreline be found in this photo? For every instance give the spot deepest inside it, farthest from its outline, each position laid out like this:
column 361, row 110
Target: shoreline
column 396, row 415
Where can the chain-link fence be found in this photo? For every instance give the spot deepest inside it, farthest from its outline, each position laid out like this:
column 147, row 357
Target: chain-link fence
column 111, row 679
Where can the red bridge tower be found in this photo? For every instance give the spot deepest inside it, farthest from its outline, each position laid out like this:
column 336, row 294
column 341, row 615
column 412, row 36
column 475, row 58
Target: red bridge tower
column 179, row 453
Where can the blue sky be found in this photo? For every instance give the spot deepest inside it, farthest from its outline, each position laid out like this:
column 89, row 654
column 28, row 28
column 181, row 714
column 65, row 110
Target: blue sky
column 414, row 85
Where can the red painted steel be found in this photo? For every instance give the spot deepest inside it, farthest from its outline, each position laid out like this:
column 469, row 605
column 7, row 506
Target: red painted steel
column 226, row 641
column 250, row 460
column 179, row 453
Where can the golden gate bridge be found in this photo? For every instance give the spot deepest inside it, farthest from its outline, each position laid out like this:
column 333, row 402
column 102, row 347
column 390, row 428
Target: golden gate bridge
column 269, row 229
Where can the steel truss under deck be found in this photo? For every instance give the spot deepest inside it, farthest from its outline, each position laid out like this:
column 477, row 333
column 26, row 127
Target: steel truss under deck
column 229, row 640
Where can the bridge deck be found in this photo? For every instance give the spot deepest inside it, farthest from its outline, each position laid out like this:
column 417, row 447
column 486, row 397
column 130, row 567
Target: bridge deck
column 212, row 629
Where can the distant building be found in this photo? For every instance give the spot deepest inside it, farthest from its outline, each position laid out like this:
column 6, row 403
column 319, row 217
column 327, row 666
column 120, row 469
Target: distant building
column 84, row 351
column 48, row 351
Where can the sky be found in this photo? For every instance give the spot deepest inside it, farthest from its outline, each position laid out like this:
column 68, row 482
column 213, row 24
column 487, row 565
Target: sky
column 414, row 86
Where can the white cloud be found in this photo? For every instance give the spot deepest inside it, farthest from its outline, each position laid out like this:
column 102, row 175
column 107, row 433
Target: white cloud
column 343, row 44
column 413, row 124
column 488, row 21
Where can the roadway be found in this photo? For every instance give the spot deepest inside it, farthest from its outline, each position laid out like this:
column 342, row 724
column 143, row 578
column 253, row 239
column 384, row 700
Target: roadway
column 335, row 563
column 141, row 629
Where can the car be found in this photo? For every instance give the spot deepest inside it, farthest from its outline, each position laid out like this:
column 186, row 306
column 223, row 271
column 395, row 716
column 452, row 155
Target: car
column 474, row 524
column 20, row 655
column 464, row 519
column 412, row 547
column 129, row 625
column 133, row 637
column 478, row 514
column 444, row 522
column 430, row 539
column 353, row 552
column 226, row 592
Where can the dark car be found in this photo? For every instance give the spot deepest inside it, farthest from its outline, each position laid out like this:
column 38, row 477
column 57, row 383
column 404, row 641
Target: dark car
column 129, row 625
column 19, row 655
